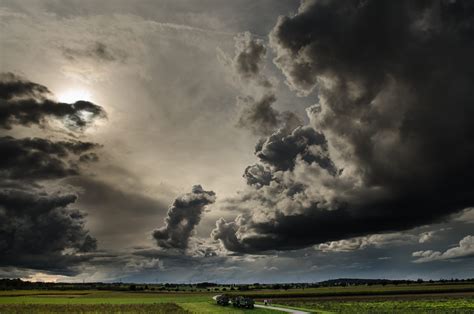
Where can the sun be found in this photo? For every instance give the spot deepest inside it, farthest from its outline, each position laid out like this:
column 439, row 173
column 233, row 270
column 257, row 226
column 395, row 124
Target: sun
column 73, row 95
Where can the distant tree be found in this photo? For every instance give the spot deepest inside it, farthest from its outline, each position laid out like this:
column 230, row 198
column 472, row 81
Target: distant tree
column 244, row 288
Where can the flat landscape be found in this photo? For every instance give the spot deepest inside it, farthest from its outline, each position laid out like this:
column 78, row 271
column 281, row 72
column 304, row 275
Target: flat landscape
column 112, row 302
column 413, row 298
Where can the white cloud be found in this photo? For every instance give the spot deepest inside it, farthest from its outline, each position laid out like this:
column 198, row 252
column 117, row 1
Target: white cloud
column 374, row 240
column 465, row 249
column 466, row 216
column 378, row 241
column 430, row 235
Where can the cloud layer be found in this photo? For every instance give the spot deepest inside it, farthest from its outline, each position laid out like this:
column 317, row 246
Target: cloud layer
column 36, row 158
column 393, row 142
column 464, row 249
column 39, row 229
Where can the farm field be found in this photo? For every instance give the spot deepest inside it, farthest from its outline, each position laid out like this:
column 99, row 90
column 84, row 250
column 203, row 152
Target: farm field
column 419, row 298
column 363, row 290
column 92, row 308
column 36, row 301
column 460, row 303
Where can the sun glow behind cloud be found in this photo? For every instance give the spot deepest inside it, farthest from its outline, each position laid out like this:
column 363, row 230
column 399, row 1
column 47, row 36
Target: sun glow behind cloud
column 73, row 95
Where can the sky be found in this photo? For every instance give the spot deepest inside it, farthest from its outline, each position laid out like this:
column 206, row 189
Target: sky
column 236, row 141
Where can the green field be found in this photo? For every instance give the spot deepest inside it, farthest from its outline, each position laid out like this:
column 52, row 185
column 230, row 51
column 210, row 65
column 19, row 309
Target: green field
column 419, row 298
column 34, row 301
column 363, row 290
column 418, row 305
column 160, row 308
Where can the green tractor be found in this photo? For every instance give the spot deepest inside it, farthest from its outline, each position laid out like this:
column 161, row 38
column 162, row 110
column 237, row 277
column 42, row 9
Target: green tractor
column 243, row 302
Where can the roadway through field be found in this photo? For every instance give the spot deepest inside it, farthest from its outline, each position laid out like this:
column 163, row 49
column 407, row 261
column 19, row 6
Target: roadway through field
column 280, row 309
column 275, row 308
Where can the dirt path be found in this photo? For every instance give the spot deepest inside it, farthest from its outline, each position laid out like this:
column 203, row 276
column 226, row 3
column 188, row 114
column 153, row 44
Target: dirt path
column 282, row 309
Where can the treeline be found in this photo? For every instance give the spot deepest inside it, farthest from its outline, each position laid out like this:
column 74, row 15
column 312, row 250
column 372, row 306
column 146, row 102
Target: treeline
column 18, row 284
column 342, row 282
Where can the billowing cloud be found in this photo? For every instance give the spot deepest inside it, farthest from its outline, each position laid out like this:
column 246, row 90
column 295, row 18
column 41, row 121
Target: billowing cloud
column 226, row 233
column 378, row 241
column 280, row 150
column 394, row 139
column 27, row 103
column 464, row 249
column 183, row 216
column 256, row 110
column 257, row 175
column 374, row 240
column 36, row 158
column 41, row 231
column 466, row 216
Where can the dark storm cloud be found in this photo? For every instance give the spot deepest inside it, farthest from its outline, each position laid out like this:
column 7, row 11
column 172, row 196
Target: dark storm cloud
column 280, row 150
column 261, row 118
column 12, row 86
column 257, row 175
column 27, row 103
column 40, row 231
column 183, row 216
column 394, row 81
column 35, row 158
column 226, row 232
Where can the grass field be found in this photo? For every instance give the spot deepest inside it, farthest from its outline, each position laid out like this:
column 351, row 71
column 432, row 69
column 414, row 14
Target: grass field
column 159, row 308
column 363, row 290
column 419, row 305
column 33, row 301
column 421, row 298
